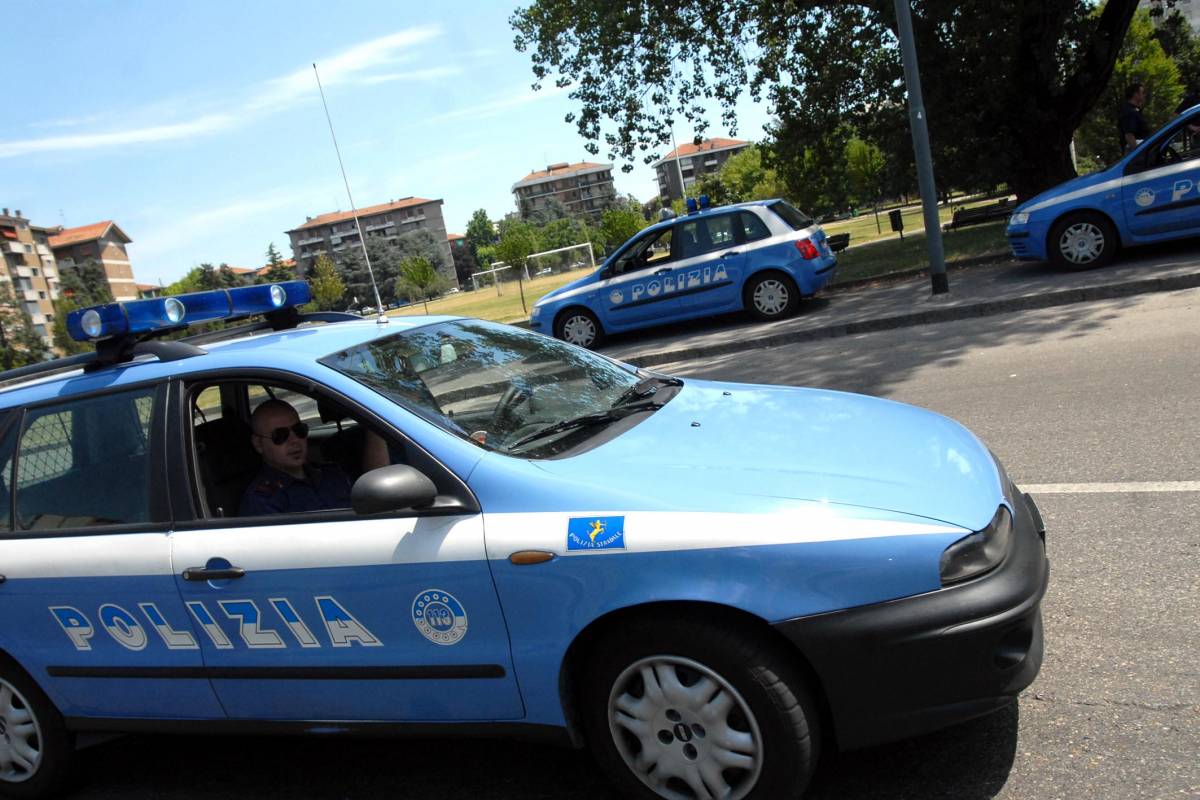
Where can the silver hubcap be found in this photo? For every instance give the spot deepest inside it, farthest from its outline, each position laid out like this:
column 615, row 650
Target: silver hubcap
column 1082, row 243
column 579, row 330
column 20, row 737
column 771, row 297
column 684, row 730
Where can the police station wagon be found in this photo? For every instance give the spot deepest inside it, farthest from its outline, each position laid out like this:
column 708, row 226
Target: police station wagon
column 1150, row 195
column 701, row 583
column 761, row 256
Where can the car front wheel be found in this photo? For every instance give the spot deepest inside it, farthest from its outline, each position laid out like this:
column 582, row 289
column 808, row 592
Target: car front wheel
column 771, row 295
column 35, row 747
column 579, row 326
column 1083, row 241
column 689, row 710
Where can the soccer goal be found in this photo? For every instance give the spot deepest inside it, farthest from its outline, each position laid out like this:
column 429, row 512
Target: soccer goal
column 561, row 259
column 489, row 277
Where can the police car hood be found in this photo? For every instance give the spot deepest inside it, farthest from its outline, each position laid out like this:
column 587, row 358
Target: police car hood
column 720, row 446
column 1073, row 185
column 566, row 287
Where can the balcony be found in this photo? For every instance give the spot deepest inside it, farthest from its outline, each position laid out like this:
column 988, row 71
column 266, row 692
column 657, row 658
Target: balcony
column 29, row 295
column 44, row 250
column 24, row 272
column 313, row 240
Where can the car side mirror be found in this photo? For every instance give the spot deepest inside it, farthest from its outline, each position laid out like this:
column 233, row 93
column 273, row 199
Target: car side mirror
column 395, row 488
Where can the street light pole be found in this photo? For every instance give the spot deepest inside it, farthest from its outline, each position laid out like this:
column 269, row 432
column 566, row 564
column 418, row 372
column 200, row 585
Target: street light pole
column 920, row 135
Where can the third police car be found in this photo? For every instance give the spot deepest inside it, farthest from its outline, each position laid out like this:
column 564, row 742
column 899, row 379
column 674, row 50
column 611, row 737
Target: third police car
column 1150, row 195
column 702, row 583
column 761, row 256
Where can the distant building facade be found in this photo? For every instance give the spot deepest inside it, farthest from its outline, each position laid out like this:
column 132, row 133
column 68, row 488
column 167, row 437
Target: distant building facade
column 583, row 188
column 334, row 232
column 103, row 242
column 31, row 270
column 692, row 161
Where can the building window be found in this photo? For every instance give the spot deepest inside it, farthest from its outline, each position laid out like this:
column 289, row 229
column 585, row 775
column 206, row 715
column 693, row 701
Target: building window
column 42, row 295
column 35, row 272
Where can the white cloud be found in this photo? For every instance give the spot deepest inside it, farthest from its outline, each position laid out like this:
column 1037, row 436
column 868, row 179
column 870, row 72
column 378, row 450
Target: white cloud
column 157, row 242
column 432, row 73
column 348, row 66
column 89, row 141
column 503, row 103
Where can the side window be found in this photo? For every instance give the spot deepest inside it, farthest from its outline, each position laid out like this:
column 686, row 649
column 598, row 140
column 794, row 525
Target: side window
column 705, row 235
column 754, row 227
column 8, row 443
column 1184, row 145
column 654, row 249
column 69, row 454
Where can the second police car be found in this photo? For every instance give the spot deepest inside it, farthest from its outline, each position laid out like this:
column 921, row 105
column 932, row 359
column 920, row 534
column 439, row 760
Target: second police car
column 702, row 583
column 761, row 256
column 1150, row 195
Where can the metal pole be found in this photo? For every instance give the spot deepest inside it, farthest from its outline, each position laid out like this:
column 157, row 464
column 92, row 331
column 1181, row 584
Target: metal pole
column 920, row 135
column 362, row 240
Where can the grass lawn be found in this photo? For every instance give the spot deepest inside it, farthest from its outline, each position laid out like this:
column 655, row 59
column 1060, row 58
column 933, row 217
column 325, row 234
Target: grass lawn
column 873, row 260
column 862, row 228
column 896, row 256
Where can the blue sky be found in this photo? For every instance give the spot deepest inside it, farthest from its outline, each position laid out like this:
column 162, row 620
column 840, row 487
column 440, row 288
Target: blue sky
column 198, row 128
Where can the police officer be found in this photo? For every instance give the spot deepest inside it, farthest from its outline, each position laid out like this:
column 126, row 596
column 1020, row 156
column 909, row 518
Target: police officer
column 287, row 482
column 1130, row 123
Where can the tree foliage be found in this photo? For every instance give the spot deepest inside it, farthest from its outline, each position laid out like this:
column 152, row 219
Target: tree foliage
column 619, row 223
column 20, row 343
column 327, row 286
column 279, row 270
column 518, row 239
column 480, row 232
column 1142, row 60
column 1005, row 84
column 419, row 280
column 744, row 176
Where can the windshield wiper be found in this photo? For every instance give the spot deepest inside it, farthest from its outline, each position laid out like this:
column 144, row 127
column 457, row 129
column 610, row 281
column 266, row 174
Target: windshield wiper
column 644, row 388
column 598, row 418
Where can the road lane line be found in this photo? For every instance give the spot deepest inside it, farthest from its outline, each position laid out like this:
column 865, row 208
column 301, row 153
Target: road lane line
column 1110, row 488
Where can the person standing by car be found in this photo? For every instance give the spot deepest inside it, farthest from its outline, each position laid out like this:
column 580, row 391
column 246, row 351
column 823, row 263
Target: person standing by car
column 1130, row 124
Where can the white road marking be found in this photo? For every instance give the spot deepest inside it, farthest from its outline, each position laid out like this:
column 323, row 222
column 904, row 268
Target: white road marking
column 1110, row 488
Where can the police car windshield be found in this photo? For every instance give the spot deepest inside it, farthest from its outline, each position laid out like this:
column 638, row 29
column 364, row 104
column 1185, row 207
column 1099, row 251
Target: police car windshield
column 492, row 383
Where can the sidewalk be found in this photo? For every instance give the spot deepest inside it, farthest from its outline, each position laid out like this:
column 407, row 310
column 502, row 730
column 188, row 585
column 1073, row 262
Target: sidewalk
column 977, row 291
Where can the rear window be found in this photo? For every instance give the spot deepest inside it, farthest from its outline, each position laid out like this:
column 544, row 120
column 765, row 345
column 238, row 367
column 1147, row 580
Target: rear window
column 791, row 215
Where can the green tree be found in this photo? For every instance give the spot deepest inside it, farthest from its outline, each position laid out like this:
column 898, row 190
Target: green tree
column 1142, row 60
column 327, row 286
column 279, row 270
column 619, row 223
column 419, row 280
column 743, row 177
column 822, row 65
column 517, row 240
column 193, row 281
column 480, row 232
column 1181, row 42
column 867, row 170
column 20, row 343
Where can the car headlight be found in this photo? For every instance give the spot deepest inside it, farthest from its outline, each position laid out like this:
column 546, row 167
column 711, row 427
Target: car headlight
column 979, row 552
column 1019, row 218
column 535, row 312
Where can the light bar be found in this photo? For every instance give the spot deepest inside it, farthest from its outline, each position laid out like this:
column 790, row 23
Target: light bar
column 161, row 313
column 691, row 205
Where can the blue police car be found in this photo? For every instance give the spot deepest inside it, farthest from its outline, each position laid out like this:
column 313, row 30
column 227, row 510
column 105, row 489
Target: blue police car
column 761, row 256
column 702, row 583
column 1150, row 195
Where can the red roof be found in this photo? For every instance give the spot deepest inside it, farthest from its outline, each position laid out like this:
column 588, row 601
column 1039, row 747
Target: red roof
column 341, row 216
column 557, row 170
column 86, row 233
column 685, row 150
column 454, row 237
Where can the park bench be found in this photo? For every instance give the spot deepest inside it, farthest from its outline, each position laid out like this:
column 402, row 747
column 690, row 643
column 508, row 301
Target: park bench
column 838, row 242
column 973, row 216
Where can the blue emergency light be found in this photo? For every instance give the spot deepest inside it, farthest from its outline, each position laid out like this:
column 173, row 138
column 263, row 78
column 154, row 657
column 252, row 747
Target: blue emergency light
column 162, row 313
column 691, row 205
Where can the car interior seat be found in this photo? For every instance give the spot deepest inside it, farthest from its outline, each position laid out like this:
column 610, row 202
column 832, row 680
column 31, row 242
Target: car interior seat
column 227, row 460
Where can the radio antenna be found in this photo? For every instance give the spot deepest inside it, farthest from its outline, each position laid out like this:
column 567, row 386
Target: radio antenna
column 362, row 240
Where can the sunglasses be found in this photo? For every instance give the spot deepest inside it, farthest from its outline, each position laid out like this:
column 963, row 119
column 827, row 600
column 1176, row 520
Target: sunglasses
column 280, row 435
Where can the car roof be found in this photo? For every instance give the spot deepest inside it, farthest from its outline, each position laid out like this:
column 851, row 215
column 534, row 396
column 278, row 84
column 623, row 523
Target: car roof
column 295, row 349
column 707, row 212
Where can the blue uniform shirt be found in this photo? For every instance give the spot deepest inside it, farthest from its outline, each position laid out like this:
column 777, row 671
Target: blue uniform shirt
column 275, row 492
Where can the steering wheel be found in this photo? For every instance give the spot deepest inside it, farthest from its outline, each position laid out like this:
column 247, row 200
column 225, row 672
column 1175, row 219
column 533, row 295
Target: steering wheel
column 504, row 415
column 1168, row 155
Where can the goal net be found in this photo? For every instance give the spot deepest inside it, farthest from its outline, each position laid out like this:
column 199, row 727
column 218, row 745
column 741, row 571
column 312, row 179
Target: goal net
column 561, row 259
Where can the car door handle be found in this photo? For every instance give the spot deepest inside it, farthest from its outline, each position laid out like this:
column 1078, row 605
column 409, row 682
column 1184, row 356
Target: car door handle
column 730, row 253
column 204, row 574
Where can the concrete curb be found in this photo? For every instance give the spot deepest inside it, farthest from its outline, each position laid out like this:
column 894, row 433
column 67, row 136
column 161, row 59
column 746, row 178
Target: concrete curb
column 953, row 313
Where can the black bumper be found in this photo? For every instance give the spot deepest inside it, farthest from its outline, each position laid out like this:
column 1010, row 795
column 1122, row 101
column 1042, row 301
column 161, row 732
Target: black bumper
column 909, row 666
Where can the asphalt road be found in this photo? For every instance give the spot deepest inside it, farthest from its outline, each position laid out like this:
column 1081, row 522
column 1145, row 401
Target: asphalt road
column 1073, row 400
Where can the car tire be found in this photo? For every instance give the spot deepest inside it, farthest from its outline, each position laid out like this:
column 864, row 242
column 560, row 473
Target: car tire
column 579, row 326
column 1082, row 241
column 36, row 749
column 771, row 295
column 728, row 713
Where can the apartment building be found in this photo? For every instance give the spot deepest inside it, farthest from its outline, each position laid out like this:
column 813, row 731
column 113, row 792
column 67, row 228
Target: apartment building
column 692, row 161
column 30, row 269
column 103, row 242
column 333, row 233
column 584, row 188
